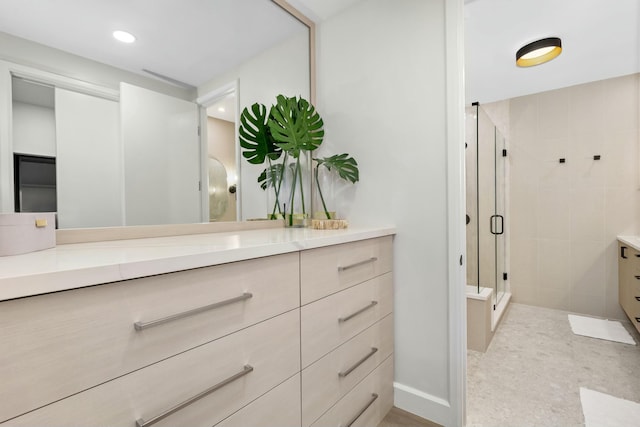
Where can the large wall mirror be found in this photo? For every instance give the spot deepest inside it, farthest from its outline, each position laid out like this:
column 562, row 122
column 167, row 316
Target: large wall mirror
column 142, row 133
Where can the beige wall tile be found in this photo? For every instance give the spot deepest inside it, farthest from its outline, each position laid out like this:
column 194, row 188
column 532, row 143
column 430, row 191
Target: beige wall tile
column 523, row 112
column 554, row 213
column 586, row 108
column 554, row 264
column 524, row 224
column 587, row 214
column 622, row 211
column 621, row 158
column 553, row 114
column 588, row 264
column 524, row 262
column 585, row 171
column 558, row 299
column 578, row 209
column 554, row 174
column 524, row 294
column 621, row 101
column 593, row 305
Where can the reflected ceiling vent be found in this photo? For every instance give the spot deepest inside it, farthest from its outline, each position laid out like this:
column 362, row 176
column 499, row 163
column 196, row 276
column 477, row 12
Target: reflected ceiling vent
column 538, row 52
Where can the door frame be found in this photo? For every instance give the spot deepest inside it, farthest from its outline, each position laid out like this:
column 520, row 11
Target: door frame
column 205, row 101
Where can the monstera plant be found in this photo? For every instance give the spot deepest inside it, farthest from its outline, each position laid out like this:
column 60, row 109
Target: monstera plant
column 284, row 138
column 346, row 167
column 260, row 147
column 291, row 129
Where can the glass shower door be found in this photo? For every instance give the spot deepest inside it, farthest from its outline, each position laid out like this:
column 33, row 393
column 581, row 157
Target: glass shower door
column 498, row 222
column 486, row 203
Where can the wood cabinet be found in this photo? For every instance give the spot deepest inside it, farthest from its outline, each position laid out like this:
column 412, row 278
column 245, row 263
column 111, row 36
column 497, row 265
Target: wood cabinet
column 629, row 282
column 227, row 345
column 347, row 333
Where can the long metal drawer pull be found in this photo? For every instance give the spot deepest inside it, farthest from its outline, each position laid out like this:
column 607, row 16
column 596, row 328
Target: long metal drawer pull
column 638, row 319
column 352, row 315
column 358, row 363
column 374, row 396
column 366, row 261
column 637, row 298
column 144, row 325
column 146, row 423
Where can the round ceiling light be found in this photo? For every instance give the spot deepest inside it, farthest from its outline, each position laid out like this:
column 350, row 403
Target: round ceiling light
column 124, row 36
column 538, row 52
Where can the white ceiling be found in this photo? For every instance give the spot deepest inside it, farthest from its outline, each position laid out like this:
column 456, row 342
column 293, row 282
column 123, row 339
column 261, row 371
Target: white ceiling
column 319, row 10
column 190, row 41
column 600, row 39
column 195, row 40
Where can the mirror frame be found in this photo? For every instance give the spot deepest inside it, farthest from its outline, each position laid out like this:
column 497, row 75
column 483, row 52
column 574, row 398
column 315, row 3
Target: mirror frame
column 84, row 235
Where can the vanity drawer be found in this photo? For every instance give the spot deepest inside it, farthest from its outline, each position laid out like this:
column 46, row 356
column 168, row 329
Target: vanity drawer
column 69, row 341
column 324, row 271
column 333, row 320
column 278, row 408
column 367, row 404
column 270, row 349
column 331, row 377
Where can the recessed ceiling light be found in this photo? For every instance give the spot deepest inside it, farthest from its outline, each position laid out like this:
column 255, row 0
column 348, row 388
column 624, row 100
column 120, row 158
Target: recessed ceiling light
column 538, row 52
column 124, row 36
column 221, row 109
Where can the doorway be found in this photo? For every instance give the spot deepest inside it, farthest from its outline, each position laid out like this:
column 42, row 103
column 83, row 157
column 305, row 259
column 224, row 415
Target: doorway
column 220, row 153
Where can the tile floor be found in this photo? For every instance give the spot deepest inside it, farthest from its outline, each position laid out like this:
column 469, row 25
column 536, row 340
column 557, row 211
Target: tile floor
column 532, row 372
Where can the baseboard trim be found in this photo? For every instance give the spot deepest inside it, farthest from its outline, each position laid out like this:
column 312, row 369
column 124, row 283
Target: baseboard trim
column 422, row 404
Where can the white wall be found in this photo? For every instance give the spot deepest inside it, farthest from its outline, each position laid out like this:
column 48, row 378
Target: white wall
column 565, row 216
column 384, row 96
column 283, row 69
column 34, row 130
column 88, row 161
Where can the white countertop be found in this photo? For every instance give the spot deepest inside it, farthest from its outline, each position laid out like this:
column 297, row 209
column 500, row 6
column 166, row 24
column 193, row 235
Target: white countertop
column 77, row 265
column 633, row 241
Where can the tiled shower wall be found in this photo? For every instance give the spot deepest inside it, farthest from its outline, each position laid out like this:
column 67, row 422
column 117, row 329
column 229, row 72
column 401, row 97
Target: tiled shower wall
column 564, row 217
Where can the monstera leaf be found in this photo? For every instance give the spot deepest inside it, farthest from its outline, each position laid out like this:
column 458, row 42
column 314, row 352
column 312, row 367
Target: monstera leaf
column 345, row 166
column 295, row 125
column 255, row 135
column 271, row 176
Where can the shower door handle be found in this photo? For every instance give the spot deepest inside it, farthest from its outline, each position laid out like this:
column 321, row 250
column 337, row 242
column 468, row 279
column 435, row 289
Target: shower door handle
column 493, row 224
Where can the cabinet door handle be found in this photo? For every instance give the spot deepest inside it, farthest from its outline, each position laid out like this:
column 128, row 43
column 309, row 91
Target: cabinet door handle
column 638, row 319
column 146, row 423
column 637, row 298
column 358, row 363
column 352, row 315
column 366, row 261
column 139, row 326
column 374, row 396
column 638, row 277
column 622, row 254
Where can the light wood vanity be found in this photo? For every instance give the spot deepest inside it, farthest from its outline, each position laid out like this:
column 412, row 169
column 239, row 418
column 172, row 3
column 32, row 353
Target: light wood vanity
column 272, row 327
column 629, row 278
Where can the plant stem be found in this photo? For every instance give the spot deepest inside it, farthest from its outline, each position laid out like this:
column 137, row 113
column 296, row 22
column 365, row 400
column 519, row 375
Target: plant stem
column 277, row 186
column 324, row 205
column 275, row 190
column 293, row 190
column 304, row 211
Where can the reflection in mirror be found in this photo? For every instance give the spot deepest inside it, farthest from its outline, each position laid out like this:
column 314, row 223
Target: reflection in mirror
column 218, row 193
column 112, row 170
